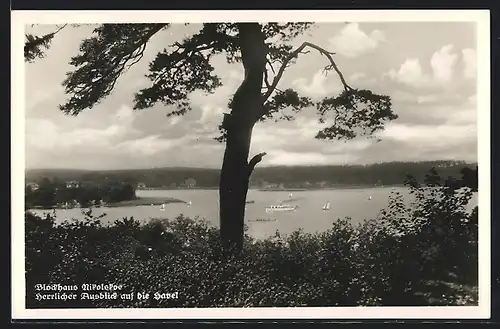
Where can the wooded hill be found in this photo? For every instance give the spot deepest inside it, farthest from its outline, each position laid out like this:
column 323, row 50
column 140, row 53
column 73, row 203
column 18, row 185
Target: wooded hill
column 387, row 174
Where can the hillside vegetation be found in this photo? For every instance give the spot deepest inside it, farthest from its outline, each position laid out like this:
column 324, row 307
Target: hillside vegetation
column 390, row 173
column 419, row 254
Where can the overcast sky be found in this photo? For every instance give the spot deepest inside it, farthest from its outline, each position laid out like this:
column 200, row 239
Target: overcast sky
column 428, row 69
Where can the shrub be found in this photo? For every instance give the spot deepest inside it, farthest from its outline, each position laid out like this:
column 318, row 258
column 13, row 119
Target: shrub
column 424, row 253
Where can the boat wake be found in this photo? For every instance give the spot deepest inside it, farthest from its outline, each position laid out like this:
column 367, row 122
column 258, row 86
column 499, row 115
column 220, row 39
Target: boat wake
column 263, row 220
column 290, row 200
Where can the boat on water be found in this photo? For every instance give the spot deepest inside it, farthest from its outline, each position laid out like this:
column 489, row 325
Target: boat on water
column 189, row 203
column 162, row 207
column 281, row 207
column 326, row 206
column 369, row 198
column 263, row 220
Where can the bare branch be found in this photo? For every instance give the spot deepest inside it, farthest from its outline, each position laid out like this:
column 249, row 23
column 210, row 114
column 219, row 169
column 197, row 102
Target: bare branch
column 271, row 65
column 295, row 54
column 59, row 29
column 254, row 161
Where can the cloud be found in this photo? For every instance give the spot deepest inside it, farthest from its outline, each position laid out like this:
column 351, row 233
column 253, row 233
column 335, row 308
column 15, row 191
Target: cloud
column 399, row 151
column 411, row 73
column 469, row 59
column 40, row 96
column 213, row 105
column 440, row 98
column 280, row 157
column 320, row 85
column 433, row 117
column 442, row 63
column 41, row 133
column 287, row 142
column 357, row 76
column 211, row 114
column 316, row 87
column 437, row 114
column 429, row 135
column 44, row 134
column 437, row 97
column 125, row 115
column 279, row 134
column 352, row 41
column 149, row 145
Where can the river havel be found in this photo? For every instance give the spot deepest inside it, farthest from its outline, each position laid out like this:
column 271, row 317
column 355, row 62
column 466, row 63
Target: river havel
column 167, row 295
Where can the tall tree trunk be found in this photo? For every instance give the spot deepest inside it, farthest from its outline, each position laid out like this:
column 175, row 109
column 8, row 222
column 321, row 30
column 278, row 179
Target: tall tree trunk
column 246, row 104
column 233, row 189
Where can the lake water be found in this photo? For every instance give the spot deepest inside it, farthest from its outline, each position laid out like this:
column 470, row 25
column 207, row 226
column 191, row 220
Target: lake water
column 309, row 216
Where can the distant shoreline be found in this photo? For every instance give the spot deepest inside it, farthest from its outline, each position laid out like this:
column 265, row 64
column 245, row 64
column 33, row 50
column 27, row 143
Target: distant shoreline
column 142, row 201
column 291, row 189
column 158, row 201
column 145, row 201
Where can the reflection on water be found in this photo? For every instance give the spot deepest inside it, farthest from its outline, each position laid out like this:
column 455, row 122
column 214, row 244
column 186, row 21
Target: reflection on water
column 358, row 204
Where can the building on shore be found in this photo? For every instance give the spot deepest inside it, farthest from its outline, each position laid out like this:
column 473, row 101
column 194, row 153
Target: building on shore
column 190, row 183
column 33, row 186
column 72, row 184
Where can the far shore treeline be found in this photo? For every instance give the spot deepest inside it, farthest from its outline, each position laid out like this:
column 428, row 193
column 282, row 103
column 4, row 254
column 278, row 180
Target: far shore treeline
column 53, row 192
column 304, row 177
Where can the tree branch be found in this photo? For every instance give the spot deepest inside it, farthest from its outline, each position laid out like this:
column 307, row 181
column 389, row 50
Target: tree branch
column 255, row 160
column 266, row 80
column 295, row 54
column 33, row 44
column 59, row 29
column 103, row 58
column 185, row 54
column 271, row 65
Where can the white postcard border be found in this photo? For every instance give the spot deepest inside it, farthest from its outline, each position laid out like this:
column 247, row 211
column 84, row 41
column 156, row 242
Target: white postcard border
column 21, row 18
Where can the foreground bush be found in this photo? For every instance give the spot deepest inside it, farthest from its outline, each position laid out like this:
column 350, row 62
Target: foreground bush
column 419, row 254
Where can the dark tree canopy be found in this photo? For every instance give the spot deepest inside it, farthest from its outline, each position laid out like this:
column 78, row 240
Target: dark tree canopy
column 34, row 46
column 185, row 66
column 102, row 59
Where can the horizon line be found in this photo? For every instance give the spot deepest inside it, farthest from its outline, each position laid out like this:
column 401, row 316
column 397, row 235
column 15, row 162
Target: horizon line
column 263, row 166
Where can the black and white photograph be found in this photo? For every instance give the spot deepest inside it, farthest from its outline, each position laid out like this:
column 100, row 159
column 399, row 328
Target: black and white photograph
column 272, row 164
